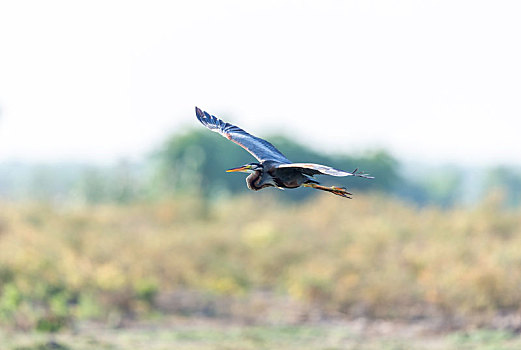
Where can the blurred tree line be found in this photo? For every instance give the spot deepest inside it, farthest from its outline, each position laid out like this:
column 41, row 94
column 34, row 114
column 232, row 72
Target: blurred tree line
column 194, row 163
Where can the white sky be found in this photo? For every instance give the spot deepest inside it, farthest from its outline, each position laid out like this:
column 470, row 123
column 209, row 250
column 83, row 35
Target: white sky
column 99, row 80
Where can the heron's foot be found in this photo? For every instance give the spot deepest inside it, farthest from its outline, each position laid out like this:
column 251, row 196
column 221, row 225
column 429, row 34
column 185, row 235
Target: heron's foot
column 339, row 191
column 359, row 173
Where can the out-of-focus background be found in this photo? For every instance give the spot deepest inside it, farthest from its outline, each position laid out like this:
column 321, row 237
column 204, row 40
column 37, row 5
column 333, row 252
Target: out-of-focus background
column 119, row 226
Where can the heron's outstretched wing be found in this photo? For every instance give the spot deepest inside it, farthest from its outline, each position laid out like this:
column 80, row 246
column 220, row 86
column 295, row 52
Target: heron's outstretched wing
column 314, row 169
column 259, row 148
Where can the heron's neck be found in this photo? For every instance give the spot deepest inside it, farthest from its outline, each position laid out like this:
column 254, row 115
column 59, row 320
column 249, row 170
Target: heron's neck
column 253, row 180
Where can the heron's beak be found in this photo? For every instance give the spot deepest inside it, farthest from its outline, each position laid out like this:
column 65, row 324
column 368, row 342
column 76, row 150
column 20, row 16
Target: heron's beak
column 241, row 168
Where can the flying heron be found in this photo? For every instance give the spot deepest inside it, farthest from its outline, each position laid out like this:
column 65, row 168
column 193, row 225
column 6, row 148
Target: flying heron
column 273, row 169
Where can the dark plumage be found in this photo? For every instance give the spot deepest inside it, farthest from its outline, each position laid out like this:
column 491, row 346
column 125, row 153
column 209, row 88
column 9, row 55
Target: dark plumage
column 273, row 169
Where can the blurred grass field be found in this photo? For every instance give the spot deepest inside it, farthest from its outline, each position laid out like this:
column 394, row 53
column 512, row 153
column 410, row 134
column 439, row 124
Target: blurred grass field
column 232, row 337
column 255, row 261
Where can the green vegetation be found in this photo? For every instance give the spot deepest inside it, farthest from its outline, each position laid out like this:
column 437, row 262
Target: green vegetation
column 370, row 257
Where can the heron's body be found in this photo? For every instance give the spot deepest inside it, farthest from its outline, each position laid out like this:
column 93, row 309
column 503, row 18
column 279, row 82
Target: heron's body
column 273, row 169
column 268, row 174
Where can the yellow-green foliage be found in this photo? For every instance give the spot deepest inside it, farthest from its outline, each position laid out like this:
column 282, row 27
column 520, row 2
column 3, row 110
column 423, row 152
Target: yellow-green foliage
column 371, row 255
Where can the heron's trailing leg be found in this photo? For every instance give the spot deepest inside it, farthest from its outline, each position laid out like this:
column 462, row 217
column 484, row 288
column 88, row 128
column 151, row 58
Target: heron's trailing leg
column 339, row 191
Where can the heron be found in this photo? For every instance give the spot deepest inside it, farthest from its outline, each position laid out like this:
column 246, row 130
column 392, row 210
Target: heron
column 273, row 169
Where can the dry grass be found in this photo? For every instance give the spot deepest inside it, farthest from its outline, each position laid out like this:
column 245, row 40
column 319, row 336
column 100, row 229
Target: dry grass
column 370, row 257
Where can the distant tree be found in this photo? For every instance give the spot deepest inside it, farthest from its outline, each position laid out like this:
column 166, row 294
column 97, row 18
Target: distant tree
column 378, row 163
column 195, row 162
column 41, row 184
column 441, row 186
column 92, row 186
column 120, row 183
column 508, row 180
column 126, row 185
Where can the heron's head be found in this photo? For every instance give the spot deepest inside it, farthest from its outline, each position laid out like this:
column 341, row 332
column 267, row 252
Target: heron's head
column 248, row 168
